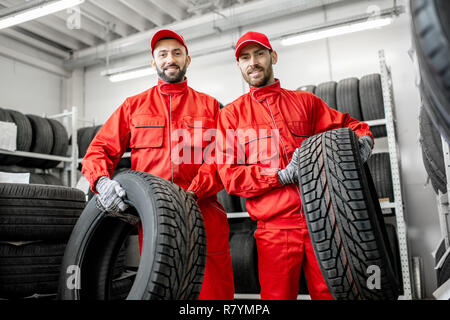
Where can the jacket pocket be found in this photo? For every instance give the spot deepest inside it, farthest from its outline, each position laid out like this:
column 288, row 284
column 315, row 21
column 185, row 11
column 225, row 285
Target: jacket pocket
column 261, row 149
column 147, row 131
column 300, row 131
column 201, row 131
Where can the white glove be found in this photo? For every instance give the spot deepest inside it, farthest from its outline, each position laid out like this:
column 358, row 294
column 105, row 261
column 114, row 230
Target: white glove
column 290, row 173
column 110, row 195
column 365, row 147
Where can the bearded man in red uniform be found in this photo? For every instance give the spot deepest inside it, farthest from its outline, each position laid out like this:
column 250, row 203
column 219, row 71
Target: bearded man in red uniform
column 280, row 120
column 150, row 124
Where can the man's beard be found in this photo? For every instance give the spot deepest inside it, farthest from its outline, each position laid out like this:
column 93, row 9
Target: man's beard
column 267, row 75
column 175, row 78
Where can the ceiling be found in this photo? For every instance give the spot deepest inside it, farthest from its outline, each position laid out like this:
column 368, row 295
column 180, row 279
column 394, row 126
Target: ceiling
column 115, row 28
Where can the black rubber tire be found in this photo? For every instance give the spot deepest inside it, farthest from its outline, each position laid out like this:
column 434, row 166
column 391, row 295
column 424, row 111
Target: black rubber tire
column 4, row 117
column 347, row 97
column 344, row 218
column 380, row 169
column 60, row 143
column 230, row 202
column 327, row 92
column 308, row 88
column 24, row 136
column 121, row 287
column 432, row 153
column 85, row 140
column 42, row 141
column 36, row 212
column 243, row 204
column 372, row 103
column 174, row 244
column 29, row 269
column 244, row 258
column 431, row 34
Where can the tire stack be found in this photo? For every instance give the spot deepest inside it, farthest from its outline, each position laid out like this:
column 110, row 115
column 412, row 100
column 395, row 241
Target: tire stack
column 35, row 224
column 38, row 135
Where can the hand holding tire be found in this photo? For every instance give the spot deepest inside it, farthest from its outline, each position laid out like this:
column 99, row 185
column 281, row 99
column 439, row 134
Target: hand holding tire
column 365, row 148
column 289, row 175
column 110, row 196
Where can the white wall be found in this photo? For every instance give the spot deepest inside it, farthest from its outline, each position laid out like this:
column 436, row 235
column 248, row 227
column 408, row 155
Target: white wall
column 352, row 55
column 28, row 89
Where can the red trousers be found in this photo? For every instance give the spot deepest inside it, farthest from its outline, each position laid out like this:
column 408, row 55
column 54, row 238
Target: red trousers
column 281, row 255
column 218, row 283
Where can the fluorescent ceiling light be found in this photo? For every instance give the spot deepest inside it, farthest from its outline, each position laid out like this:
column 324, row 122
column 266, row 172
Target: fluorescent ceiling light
column 38, row 11
column 131, row 74
column 336, row 31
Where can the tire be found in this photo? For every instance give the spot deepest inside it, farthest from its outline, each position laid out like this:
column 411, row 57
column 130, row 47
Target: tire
column 29, row 269
column 36, row 212
column 60, row 142
column 431, row 33
column 380, row 169
column 243, row 204
column 24, row 136
column 372, row 103
column 327, row 92
column 347, row 98
column 4, row 117
column 230, row 202
column 432, row 153
column 308, row 88
column 42, row 141
column 244, row 258
column 344, row 217
column 85, row 140
column 174, row 244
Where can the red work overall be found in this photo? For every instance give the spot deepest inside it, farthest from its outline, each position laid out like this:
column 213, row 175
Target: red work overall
column 281, row 120
column 148, row 123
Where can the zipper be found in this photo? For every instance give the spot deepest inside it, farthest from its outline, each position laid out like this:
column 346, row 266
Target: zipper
column 170, row 132
column 287, row 158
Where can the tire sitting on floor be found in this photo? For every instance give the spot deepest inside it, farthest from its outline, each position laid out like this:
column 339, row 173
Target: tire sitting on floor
column 344, row 218
column 29, row 269
column 174, row 244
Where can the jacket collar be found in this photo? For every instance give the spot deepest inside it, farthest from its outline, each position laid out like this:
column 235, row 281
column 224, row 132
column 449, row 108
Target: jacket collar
column 172, row 88
column 262, row 93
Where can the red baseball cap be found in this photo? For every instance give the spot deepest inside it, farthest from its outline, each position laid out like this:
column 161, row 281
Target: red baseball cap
column 161, row 34
column 252, row 37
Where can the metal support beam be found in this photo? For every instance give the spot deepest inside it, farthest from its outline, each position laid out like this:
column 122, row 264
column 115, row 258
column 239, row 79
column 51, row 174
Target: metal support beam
column 171, row 9
column 148, row 11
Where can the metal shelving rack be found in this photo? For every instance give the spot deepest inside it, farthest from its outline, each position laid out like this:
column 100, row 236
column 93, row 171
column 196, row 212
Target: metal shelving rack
column 389, row 106
column 72, row 160
column 389, row 122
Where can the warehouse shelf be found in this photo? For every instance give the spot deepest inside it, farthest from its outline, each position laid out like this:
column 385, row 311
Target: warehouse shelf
column 72, row 160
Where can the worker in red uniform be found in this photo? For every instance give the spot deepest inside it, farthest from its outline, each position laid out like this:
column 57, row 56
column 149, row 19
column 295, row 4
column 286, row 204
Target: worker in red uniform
column 258, row 140
column 153, row 124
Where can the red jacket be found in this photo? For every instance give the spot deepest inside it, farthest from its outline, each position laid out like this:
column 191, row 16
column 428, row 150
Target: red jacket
column 149, row 124
column 295, row 115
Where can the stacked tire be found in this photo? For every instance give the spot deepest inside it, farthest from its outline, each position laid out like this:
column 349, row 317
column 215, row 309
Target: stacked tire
column 35, row 134
column 35, row 224
column 431, row 35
